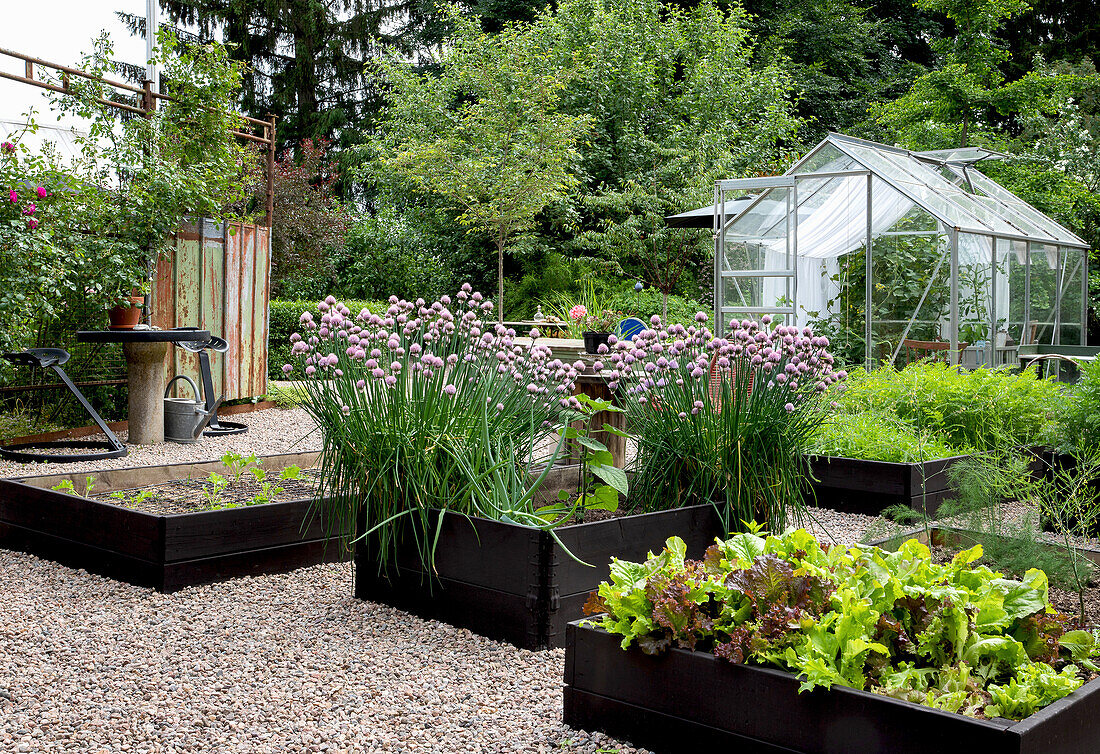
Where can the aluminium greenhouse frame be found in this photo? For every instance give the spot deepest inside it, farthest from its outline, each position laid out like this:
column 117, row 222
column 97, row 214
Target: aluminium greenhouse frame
column 947, row 187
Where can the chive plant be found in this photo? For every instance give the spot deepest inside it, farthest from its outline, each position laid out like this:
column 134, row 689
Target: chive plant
column 723, row 420
column 425, row 408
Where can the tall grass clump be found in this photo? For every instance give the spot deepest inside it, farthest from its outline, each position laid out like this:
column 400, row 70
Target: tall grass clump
column 735, row 440
column 423, row 409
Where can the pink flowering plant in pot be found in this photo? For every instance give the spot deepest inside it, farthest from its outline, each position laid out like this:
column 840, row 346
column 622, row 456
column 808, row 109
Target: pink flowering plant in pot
column 723, row 420
column 427, row 407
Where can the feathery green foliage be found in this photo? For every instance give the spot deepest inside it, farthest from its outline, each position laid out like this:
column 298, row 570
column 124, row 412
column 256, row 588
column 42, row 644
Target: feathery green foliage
column 982, row 409
column 877, row 436
column 1079, row 417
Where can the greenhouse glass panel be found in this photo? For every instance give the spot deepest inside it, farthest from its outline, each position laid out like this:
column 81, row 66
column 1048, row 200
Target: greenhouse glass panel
column 904, row 181
column 1071, row 314
column 1017, row 205
column 764, row 220
column 1022, row 224
column 826, row 159
column 910, row 287
column 1011, row 297
column 975, row 284
column 756, row 292
column 1042, row 288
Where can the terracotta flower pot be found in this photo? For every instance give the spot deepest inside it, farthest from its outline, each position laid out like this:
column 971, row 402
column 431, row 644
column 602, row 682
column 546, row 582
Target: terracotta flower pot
column 126, row 317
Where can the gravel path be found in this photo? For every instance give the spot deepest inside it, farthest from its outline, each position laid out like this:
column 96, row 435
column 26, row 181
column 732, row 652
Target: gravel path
column 281, row 663
column 269, row 432
column 287, row 663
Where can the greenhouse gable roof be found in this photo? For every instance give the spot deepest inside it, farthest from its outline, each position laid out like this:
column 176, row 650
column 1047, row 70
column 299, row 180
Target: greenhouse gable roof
column 943, row 182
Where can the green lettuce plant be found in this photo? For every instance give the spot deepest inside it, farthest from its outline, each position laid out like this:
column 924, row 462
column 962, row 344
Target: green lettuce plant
column 954, row 636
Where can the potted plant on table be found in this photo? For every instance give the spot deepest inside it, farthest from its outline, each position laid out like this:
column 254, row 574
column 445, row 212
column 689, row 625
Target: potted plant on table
column 597, row 328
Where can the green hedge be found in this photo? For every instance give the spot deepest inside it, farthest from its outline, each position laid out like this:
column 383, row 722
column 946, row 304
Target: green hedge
column 644, row 304
column 285, row 320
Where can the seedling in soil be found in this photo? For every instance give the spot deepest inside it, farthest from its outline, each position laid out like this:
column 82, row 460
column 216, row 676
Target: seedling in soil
column 213, row 495
column 67, row 486
column 134, row 500
column 237, row 464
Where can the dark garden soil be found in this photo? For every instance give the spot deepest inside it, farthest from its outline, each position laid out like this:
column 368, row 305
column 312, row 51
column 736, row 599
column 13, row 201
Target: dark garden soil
column 195, row 495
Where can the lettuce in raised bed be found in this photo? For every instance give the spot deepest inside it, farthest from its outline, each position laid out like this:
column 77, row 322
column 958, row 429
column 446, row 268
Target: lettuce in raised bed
column 954, row 636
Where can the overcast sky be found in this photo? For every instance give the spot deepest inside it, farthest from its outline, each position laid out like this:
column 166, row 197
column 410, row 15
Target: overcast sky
column 58, row 31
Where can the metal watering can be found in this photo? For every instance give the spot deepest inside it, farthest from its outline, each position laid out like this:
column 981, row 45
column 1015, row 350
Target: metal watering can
column 185, row 419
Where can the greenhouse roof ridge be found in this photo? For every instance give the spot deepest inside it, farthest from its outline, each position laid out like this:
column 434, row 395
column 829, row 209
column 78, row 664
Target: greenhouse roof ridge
column 968, row 201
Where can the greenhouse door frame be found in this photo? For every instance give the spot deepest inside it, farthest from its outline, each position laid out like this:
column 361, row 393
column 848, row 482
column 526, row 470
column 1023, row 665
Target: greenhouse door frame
column 722, row 221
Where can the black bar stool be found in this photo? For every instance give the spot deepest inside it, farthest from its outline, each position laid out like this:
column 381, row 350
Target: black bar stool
column 216, row 428
column 53, row 358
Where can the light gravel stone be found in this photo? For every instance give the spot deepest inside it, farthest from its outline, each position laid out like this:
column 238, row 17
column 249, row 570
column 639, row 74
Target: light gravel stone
column 269, row 432
column 285, row 663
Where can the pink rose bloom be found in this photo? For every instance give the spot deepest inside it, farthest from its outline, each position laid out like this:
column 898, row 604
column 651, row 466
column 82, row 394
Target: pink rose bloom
column 41, row 192
column 29, row 209
column 8, row 147
column 32, row 224
column 576, row 313
column 14, row 197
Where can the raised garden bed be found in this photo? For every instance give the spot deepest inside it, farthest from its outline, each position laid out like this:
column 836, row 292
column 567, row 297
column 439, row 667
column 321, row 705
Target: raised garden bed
column 665, row 701
column 857, row 486
column 514, row 583
column 149, row 544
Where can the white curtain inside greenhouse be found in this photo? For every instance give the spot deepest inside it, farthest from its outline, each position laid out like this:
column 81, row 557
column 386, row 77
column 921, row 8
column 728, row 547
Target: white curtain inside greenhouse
column 828, row 229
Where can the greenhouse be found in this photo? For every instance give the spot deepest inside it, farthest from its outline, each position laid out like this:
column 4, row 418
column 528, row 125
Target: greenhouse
column 953, row 264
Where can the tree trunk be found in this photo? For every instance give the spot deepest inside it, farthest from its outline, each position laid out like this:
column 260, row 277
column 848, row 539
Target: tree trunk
column 500, row 281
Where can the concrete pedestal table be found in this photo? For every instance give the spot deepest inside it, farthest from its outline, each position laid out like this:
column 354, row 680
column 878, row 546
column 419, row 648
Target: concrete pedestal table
column 145, row 353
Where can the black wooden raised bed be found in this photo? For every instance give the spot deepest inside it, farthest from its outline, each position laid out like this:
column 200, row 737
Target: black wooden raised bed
column 166, row 552
column 685, row 700
column 858, row 486
column 514, row 583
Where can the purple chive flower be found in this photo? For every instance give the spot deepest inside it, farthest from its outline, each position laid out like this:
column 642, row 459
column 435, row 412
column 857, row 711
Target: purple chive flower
column 287, row 369
column 450, row 389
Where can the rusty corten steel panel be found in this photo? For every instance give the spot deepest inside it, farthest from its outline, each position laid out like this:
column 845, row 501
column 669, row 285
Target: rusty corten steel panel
column 246, row 343
column 212, row 302
column 232, row 357
column 263, row 247
column 217, row 278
